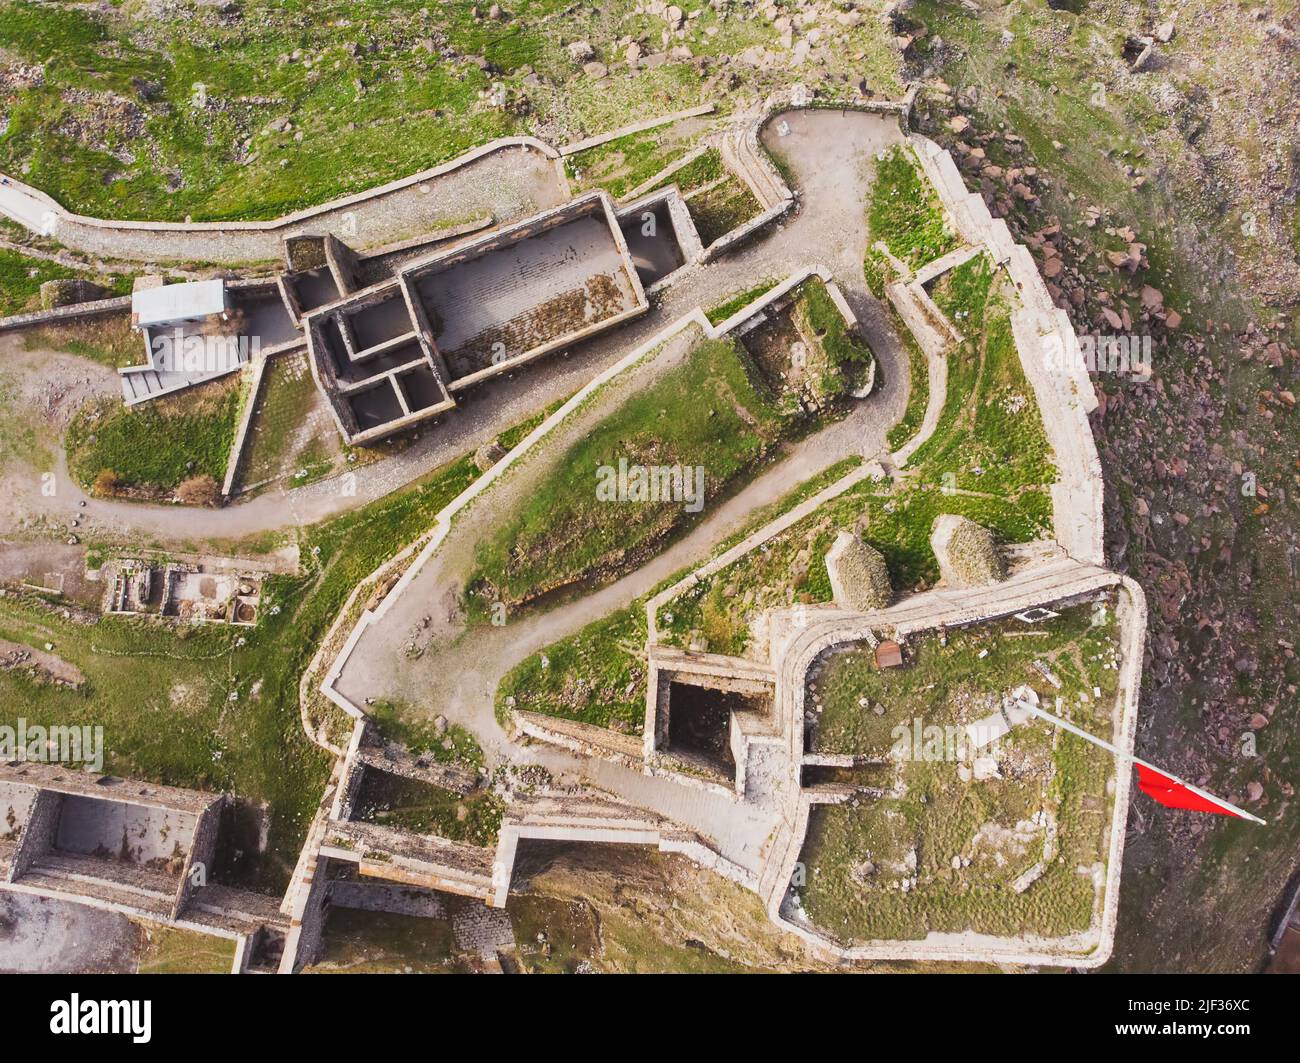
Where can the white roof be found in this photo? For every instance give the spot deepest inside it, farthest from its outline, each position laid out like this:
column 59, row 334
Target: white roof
column 178, row 302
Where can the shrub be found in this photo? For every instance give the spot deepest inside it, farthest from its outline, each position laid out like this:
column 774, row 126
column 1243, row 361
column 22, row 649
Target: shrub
column 107, row 483
column 201, row 490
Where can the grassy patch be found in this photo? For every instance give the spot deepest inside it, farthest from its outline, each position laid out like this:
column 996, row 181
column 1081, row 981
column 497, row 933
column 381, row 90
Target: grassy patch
column 697, row 173
column 918, row 392
column 400, row 722
column 153, row 447
column 723, row 207
column 110, row 341
column 846, row 354
column 168, row 950
column 554, row 936
column 990, row 437
column 1078, row 646
column 21, row 277
column 905, row 213
column 724, row 310
column 704, row 413
column 596, row 676
column 276, row 445
column 621, row 165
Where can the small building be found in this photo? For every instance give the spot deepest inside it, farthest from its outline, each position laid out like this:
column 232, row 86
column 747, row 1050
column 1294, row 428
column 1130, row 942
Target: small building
column 188, row 337
column 175, row 304
column 889, row 654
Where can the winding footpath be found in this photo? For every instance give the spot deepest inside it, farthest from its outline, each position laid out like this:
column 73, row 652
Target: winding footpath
column 457, row 669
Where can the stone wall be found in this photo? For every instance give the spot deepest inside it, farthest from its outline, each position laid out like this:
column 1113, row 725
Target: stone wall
column 1049, row 352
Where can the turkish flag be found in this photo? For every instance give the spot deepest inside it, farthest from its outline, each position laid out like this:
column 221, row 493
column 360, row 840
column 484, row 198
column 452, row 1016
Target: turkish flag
column 1173, row 794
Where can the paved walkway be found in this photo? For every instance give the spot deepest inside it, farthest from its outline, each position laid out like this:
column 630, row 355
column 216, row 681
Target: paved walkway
column 508, row 184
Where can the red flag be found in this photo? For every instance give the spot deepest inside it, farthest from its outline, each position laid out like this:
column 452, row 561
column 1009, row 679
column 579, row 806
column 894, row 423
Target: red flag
column 1173, row 794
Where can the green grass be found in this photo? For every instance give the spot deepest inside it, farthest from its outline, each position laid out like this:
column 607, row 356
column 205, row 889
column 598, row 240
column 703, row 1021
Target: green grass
column 621, row 165
column 596, row 676
column 918, row 394
column 846, row 354
column 705, row 412
column 172, row 951
column 697, row 173
column 21, row 278
column 397, row 721
column 937, row 814
column 989, row 437
column 722, row 208
column 153, row 447
column 114, row 131
column 724, row 310
column 905, row 213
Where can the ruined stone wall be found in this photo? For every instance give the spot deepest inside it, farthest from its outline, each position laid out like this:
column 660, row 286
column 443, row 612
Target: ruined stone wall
column 1049, row 352
column 200, row 860
column 38, row 835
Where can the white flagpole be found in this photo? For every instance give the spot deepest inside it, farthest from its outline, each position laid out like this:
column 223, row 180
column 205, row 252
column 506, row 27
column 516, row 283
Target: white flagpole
column 1052, row 718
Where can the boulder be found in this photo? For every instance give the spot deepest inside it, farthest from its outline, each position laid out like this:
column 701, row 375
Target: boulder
column 581, row 51
column 488, row 455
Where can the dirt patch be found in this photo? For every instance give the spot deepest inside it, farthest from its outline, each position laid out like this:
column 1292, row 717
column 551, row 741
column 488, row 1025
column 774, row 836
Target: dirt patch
column 600, row 298
column 38, row 664
column 38, row 935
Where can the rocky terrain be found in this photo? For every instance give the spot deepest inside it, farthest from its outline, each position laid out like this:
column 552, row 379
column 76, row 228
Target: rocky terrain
column 1188, row 238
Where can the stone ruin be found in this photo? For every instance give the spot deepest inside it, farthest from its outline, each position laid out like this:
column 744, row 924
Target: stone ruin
column 858, row 574
column 967, row 552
